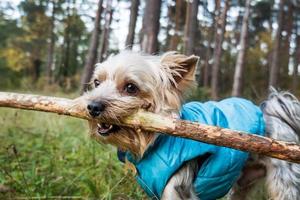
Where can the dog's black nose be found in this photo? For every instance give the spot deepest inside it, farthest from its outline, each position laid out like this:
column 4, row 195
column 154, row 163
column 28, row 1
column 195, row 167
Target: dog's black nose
column 95, row 108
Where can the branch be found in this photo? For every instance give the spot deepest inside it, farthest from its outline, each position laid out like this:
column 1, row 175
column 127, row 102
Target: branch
column 156, row 123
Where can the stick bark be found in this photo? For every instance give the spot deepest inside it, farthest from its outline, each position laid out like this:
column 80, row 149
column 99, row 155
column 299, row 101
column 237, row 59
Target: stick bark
column 156, row 123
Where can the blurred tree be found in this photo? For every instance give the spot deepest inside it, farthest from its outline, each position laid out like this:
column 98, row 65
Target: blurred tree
column 179, row 21
column 103, row 50
column 134, row 8
column 274, row 68
column 256, row 81
column 92, row 52
column 77, row 35
column 169, row 28
column 11, row 58
column 191, row 26
column 11, row 29
column 213, row 28
column 286, row 39
column 219, row 35
column 296, row 58
column 65, row 67
column 49, row 38
column 35, row 24
column 296, row 63
column 74, row 30
column 238, row 75
column 261, row 18
column 16, row 58
column 50, row 56
column 150, row 27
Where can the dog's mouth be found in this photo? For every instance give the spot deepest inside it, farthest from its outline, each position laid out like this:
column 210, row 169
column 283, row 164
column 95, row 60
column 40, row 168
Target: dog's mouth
column 105, row 129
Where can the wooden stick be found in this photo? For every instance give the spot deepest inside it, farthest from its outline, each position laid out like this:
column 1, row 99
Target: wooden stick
column 156, row 123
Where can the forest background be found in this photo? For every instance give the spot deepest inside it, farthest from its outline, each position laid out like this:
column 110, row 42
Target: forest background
column 51, row 46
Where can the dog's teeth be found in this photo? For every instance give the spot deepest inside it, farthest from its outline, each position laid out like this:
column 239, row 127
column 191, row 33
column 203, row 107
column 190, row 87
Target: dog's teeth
column 106, row 126
column 110, row 127
column 103, row 128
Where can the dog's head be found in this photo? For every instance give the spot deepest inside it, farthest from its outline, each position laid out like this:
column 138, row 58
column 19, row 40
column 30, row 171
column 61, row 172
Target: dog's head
column 131, row 81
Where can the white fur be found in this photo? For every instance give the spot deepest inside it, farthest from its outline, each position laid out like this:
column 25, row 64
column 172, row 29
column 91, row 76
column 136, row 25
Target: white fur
column 282, row 117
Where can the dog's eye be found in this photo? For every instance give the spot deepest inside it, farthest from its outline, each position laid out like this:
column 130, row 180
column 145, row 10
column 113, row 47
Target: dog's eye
column 96, row 82
column 131, row 88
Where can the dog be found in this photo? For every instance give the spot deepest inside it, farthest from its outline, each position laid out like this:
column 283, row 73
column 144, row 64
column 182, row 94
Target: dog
column 130, row 81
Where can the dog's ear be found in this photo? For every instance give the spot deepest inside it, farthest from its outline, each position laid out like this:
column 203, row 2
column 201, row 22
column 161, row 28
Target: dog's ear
column 181, row 67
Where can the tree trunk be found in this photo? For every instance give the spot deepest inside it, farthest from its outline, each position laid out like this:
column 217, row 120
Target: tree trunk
column 213, row 28
column 274, row 71
column 105, row 34
column 152, row 122
column 180, row 10
column 92, row 52
column 169, row 28
column 191, row 27
column 239, row 67
column 219, row 36
column 134, row 9
column 64, row 69
column 66, row 47
column 150, row 28
column 50, row 55
column 36, row 69
column 296, row 62
column 287, row 27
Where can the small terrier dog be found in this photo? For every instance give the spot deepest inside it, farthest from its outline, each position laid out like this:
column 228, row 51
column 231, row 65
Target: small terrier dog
column 130, row 81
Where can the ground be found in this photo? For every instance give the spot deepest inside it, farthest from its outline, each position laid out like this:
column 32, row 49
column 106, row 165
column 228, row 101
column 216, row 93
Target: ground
column 49, row 156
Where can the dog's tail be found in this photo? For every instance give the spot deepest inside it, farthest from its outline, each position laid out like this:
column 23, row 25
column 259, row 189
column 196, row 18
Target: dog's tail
column 282, row 117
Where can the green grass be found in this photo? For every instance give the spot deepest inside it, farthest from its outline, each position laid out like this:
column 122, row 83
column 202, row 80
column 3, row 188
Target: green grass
column 46, row 156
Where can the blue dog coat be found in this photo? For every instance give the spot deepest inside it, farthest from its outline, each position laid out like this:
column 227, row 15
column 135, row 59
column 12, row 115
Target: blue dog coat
column 221, row 165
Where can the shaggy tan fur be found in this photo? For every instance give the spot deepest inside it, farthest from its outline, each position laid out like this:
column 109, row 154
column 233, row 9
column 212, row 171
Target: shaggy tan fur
column 161, row 82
